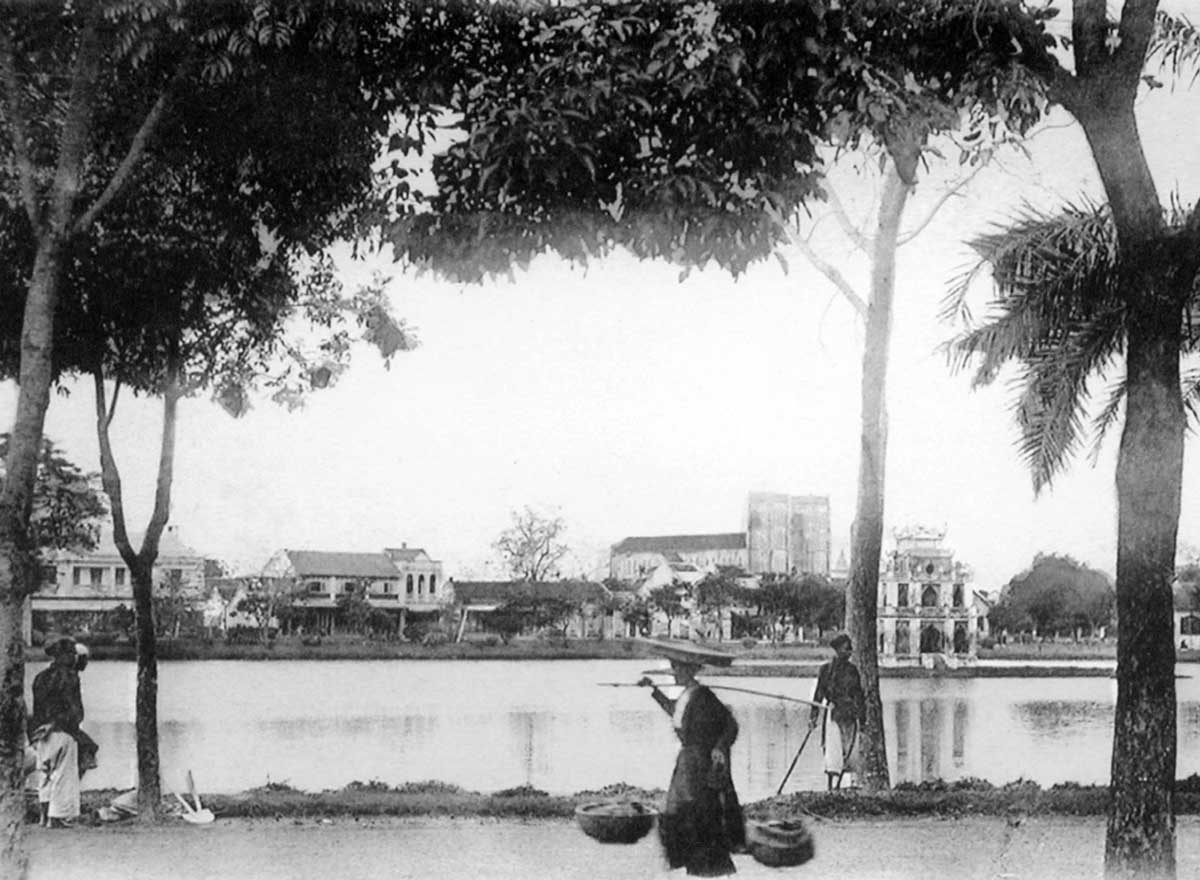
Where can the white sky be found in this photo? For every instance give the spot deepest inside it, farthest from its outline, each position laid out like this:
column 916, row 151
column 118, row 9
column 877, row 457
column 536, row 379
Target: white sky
column 635, row 404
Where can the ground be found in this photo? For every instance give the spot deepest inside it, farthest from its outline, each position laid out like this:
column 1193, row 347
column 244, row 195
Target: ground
column 971, row 848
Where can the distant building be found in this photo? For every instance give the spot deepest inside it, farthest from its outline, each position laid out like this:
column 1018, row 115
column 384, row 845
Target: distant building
column 401, row 580
column 927, row 611
column 1187, row 616
column 787, row 534
column 473, row 600
column 91, row 583
column 635, row 558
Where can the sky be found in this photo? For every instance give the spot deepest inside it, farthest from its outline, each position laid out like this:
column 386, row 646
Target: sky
column 631, row 402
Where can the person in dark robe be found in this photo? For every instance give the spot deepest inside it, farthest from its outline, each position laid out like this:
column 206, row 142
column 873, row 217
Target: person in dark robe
column 839, row 689
column 702, row 823
column 53, row 732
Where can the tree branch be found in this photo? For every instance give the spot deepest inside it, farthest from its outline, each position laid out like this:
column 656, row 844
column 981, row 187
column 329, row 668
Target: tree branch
column 825, row 268
column 124, row 172
column 1089, row 19
column 110, row 476
column 834, row 274
column 854, row 233
column 937, row 206
column 20, row 131
column 1136, row 31
column 76, row 133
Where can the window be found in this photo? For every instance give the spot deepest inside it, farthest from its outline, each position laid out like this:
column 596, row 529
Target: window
column 314, row 587
column 409, row 585
column 175, row 574
column 96, row 576
column 77, row 575
column 420, row 585
column 119, row 576
column 1189, row 626
column 929, row 596
column 958, row 595
column 902, row 595
column 348, row 587
column 432, row 583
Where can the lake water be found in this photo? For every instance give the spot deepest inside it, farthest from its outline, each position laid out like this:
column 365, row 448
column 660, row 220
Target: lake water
column 488, row 725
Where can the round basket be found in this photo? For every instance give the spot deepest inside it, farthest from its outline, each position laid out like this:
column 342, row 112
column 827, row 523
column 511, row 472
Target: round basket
column 779, row 843
column 615, row 821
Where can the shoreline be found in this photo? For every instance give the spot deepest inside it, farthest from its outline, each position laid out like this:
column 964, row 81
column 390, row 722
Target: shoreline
column 1053, row 660
column 937, row 799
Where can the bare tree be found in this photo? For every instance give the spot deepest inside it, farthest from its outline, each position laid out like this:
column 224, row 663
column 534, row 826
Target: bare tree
column 531, row 547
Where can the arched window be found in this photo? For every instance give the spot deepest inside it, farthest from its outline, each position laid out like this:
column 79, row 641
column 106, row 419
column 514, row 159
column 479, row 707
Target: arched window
column 902, row 595
column 903, row 644
column 929, row 596
column 432, row 583
column 408, row 587
column 958, row 595
column 961, row 643
column 931, row 640
column 421, row 585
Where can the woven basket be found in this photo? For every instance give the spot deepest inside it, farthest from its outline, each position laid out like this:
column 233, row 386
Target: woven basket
column 615, row 821
column 779, row 843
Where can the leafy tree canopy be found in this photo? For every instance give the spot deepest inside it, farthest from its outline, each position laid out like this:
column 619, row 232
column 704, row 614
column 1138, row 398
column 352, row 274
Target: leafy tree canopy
column 68, row 506
column 685, row 131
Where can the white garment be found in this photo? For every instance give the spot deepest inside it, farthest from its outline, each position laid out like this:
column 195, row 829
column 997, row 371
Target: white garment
column 838, row 758
column 58, row 760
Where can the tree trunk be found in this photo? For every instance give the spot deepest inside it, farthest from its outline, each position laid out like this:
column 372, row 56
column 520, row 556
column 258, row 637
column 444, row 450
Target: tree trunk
column 867, row 540
column 1140, row 840
column 18, row 565
column 141, row 568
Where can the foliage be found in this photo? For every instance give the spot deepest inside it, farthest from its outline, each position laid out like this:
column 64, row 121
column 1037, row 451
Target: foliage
column 172, row 605
column 354, row 608
column 531, row 546
column 684, row 131
column 668, row 600
column 1056, row 594
column 67, row 504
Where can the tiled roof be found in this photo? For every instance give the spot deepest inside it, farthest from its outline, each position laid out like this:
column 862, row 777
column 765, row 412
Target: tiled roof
column 405, row 554
column 682, row 543
column 318, row 563
column 169, row 546
column 481, row 592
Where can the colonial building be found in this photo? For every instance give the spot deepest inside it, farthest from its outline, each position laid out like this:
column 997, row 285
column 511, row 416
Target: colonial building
column 927, row 611
column 635, row 558
column 787, row 534
column 91, row 583
column 403, row 580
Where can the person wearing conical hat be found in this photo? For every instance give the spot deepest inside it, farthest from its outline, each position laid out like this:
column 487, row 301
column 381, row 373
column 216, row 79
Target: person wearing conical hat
column 702, row 823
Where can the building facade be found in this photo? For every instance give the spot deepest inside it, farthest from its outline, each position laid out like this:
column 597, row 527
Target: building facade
column 98, row 581
column 787, row 534
column 635, row 558
column 927, row 610
column 401, row 580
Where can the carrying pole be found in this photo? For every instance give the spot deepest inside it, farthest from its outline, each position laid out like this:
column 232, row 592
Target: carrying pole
column 788, row 775
column 724, row 687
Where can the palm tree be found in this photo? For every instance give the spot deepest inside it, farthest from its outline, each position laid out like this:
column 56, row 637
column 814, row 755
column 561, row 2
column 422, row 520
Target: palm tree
column 1059, row 317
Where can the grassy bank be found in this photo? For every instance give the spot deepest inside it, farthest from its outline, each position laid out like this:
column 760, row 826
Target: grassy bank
column 491, row 648
column 969, row 797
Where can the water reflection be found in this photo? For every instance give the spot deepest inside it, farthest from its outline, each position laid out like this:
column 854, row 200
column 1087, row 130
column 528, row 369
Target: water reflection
column 488, row 725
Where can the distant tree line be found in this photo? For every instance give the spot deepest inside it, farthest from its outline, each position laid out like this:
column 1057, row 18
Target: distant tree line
column 1056, row 596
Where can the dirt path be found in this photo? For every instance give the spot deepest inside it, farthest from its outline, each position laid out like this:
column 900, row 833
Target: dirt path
column 966, row 849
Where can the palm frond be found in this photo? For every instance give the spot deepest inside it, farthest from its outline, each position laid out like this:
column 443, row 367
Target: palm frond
column 1175, row 44
column 1107, row 417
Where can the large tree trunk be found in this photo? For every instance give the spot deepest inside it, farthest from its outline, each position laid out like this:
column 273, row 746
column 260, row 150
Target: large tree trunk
column 867, row 539
column 18, row 559
column 1140, row 839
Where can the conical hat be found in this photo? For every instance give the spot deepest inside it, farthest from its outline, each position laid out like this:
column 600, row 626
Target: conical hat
column 686, row 652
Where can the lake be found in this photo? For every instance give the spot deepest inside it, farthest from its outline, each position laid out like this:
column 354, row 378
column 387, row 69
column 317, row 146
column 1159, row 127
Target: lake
column 493, row 724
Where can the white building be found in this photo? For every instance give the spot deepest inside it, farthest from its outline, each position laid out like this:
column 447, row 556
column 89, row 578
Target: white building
column 98, row 581
column 927, row 609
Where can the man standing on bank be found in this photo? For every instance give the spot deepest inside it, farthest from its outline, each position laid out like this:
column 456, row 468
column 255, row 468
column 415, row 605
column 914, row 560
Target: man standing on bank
column 53, row 728
column 839, row 686
column 702, row 822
